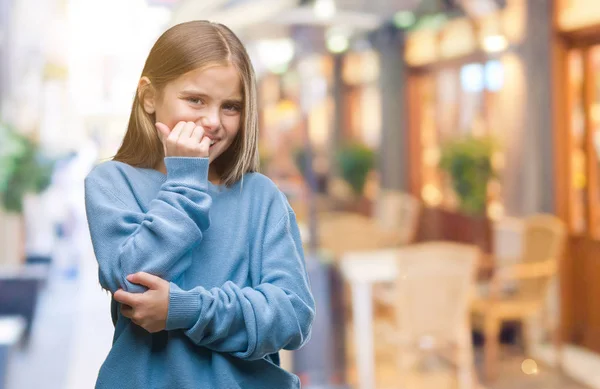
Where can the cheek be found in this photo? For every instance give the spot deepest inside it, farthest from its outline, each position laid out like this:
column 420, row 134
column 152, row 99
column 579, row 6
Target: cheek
column 232, row 125
column 171, row 114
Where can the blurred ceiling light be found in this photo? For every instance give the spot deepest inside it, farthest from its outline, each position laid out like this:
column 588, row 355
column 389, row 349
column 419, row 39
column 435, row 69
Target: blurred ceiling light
column 276, row 54
column 404, row 19
column 337, row 39
column 337, row 43
column 495, row 43
column 324, row 9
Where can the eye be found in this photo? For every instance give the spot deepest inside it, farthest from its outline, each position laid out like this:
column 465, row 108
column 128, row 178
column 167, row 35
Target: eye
column 232, row 107
column 194, row 100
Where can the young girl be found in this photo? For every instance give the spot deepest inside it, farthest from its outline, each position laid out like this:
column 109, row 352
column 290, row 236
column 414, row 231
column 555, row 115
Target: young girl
column 201, row 253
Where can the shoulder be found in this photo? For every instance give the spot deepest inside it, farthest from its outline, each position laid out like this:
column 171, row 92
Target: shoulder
column 110, row 173
column 112, row 178
column 259, row 182
column 266, row 194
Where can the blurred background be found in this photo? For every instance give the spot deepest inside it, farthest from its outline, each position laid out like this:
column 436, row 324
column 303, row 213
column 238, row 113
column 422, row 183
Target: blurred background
column 442, row 157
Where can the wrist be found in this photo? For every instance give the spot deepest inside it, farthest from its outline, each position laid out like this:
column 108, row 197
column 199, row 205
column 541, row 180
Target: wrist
column 184, row 308
column 187, row 171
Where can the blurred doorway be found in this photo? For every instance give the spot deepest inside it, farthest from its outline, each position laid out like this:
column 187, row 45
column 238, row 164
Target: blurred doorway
column 577, row 166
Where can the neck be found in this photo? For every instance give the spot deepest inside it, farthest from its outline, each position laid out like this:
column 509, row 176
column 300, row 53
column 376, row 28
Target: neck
column 213, row 176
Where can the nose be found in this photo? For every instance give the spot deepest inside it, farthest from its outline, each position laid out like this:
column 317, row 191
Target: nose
column 210, row 121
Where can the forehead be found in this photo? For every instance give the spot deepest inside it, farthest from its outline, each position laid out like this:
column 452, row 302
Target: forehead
column 221, row 81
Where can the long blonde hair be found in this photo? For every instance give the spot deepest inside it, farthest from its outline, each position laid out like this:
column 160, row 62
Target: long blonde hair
column 181, row 49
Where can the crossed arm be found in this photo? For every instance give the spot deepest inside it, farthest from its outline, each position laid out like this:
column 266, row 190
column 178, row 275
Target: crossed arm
column 247, row 322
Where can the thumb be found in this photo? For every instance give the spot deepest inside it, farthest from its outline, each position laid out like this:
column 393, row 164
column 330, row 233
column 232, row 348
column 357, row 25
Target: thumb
column 148, row 280
column 163, row 130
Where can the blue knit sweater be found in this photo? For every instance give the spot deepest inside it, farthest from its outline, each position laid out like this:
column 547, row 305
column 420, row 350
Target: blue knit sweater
column 239, row 291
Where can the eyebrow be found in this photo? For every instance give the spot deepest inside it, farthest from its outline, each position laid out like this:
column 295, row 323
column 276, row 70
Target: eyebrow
column 191, row 92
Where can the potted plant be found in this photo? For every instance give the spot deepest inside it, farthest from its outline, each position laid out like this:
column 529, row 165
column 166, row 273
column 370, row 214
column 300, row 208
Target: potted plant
column 355, row 162
column 468, row 163
column 23, row 170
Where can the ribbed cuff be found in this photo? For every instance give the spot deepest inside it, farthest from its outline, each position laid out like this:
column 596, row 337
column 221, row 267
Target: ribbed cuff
column 184, row 308
column 188, row 171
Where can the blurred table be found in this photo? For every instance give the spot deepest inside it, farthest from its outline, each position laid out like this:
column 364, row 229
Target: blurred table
column 361, row 270
column 340, row 232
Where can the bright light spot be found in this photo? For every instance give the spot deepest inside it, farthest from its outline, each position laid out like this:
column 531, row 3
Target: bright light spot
column 337, row 43
column 324, row 9
column 495, row 211
column 494, row 75
column 529, row 367
column 471, row 77
column 276, row 54
column 404, row 19
column 495, row 43
column 431, row 195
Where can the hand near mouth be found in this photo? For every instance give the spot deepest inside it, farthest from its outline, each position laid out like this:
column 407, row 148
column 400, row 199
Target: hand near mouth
column 186, row 139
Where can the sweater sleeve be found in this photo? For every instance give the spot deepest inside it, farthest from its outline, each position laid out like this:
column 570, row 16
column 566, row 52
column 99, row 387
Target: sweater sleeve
column 127, row 240
column 251, row 323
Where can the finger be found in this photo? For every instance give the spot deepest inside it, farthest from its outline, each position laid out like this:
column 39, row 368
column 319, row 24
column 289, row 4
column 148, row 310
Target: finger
column 198, row 134
column 205, row 146
column 171, row 141
column 127, row 311
column 125, row 297
column 148, row 280
column 175, row 132
column 187, row 131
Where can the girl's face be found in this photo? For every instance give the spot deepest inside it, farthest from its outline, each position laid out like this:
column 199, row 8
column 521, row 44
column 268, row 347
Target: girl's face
column 210, row 97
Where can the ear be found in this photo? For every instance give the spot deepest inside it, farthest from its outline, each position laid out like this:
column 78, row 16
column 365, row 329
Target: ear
column 146, row 94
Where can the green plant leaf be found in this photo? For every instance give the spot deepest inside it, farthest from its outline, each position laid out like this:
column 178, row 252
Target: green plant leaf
column 467, row 161
column 355, row 162
column 23, row 168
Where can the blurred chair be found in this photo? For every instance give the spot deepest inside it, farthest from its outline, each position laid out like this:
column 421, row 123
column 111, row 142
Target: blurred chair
column 340, row 232
column 434, row 290
column 529, row 279
column 399, row 212
column 507, row 240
